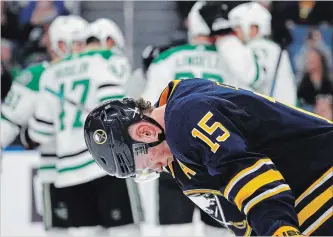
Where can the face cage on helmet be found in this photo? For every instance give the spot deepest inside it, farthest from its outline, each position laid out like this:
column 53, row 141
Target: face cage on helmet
column 142, row 174
column 129, row 152
column 140, row 151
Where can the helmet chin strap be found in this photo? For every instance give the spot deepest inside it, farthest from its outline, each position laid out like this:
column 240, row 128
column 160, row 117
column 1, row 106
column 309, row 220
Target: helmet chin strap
column 161, row 136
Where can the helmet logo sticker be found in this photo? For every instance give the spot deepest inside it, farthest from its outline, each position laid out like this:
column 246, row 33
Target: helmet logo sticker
column 100, row 136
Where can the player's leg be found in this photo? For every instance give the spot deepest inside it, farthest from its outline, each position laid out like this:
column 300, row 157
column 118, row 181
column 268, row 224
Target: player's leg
column 119, row 206
column 175, row 209
column 81, row 203
column 212, row 227
column 54, row 211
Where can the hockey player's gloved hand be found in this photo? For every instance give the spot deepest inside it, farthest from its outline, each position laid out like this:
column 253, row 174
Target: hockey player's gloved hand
column 215, row 15
column 150, row 53
column 148, row 56
column 25, row 139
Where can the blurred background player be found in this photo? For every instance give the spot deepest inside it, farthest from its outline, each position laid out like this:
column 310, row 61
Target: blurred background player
column 251, row 23
column 64, row 37
column 200, row 59
column 239, row 61
column 136, row 85
column 69, row 88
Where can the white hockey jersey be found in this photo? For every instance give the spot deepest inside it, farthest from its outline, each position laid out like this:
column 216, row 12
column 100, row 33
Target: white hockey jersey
column 267, row 53
column 16, row 111
column 239, row 61
column 69, row 90
column 183, row 62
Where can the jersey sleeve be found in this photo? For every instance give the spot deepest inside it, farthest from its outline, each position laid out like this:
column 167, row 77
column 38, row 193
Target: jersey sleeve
column 19, row 105
column 285, row 88
column 214, row 137
column 234, row 53
column 8, row 131
column 41, row 124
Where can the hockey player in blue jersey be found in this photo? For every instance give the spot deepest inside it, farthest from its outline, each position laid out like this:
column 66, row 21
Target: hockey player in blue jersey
column 256, row 165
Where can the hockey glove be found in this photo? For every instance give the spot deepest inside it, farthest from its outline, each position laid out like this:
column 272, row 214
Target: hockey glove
column 149, row 54
column 215, row 15
column 26, row 140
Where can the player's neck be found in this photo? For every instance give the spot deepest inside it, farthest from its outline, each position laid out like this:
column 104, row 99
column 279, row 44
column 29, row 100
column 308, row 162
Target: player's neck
column 202, row 40
column 158, row 115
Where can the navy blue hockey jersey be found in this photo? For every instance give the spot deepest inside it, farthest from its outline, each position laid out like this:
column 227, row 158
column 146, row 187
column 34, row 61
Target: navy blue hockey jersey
column 272, row 161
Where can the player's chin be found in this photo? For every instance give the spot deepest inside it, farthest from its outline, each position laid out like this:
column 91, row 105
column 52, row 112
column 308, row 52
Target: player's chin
column 158, row 167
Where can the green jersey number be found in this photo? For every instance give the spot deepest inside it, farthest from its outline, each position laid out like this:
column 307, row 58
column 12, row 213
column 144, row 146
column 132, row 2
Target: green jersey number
column 77, row 123
column 190, row 75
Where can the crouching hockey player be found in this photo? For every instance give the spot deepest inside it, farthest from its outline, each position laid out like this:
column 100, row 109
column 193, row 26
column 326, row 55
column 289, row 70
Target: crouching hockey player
column 227, row 148
column 198, row 58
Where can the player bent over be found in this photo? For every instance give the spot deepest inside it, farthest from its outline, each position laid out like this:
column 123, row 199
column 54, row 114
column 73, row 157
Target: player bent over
column 271, row 161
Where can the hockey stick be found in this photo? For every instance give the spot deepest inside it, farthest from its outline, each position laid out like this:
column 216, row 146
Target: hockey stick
column 135, row 201
column 276, row 72
column 63, row 98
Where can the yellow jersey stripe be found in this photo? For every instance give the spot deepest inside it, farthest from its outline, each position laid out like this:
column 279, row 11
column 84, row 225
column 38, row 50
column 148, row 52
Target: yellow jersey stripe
column 307, row 112
column 328, row 174
column 174, row 85
column 243, row 173
column 321, row 220
column 171, row 169
column 269, row 193
column 282, row 231
column 195, row 191
column 166, row 94
column 248, row 230
column 314, row 205
column 256, row 183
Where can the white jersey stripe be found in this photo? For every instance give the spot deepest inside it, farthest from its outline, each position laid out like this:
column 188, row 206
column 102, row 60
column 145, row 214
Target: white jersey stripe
column 248, row 171
column 315, row 225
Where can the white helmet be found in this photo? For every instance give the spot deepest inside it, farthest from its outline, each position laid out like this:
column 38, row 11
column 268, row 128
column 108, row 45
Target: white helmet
column 251, row 13
column 104, row 28
column 196, row 24
column 66, row 29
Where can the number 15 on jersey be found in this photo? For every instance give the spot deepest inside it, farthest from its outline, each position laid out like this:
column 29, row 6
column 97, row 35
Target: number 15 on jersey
column 210, row 130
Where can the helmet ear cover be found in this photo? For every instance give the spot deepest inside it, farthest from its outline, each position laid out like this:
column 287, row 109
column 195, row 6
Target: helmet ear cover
column 115, row 153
